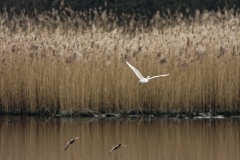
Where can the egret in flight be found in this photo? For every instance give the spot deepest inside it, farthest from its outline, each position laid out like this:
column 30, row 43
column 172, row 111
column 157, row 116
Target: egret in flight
column 70, row 142
column 141, row 78
column 116, row 147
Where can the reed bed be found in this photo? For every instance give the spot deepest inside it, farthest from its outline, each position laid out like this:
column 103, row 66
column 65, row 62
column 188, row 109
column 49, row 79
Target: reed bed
column 49, row 65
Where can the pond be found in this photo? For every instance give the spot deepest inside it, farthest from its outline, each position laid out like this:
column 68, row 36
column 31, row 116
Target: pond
column 44, row 138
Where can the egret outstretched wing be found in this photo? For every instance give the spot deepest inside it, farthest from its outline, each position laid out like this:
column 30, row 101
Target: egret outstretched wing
column 138, row 74
column 163, row 75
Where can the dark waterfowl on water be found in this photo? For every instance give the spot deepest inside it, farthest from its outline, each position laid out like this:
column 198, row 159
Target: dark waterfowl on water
column 116, row 147
column 70, row 142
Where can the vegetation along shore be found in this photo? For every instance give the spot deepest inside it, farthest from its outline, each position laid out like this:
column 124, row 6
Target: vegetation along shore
column 68, row 64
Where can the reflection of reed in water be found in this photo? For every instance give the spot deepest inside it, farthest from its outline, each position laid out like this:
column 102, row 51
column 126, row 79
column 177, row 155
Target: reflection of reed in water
column 167, row 139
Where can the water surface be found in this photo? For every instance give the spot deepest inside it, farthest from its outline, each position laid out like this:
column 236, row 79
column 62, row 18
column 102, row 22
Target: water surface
column 43, row 138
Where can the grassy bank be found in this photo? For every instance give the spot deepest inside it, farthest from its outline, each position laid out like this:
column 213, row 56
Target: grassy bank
column 49, row 65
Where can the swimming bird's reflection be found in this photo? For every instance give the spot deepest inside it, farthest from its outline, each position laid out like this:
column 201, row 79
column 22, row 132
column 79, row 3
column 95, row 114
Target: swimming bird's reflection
column 70, row 142
column 116, row 147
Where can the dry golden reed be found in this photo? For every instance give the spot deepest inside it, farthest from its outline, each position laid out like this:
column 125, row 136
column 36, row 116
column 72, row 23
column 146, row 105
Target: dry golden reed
column 65, row 66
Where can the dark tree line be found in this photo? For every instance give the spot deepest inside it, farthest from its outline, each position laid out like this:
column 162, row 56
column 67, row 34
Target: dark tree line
column 142, row 7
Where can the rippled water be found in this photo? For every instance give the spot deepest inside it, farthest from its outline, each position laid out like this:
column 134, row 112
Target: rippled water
column 34, row 138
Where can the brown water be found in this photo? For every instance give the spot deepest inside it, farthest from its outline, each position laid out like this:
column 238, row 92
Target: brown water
column 159, row 139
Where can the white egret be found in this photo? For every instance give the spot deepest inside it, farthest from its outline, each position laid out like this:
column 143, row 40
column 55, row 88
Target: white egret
column 141, row 78
column 116, row 147
column 71, row 142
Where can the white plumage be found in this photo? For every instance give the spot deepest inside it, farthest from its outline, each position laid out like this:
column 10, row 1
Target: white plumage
column 141, row 78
